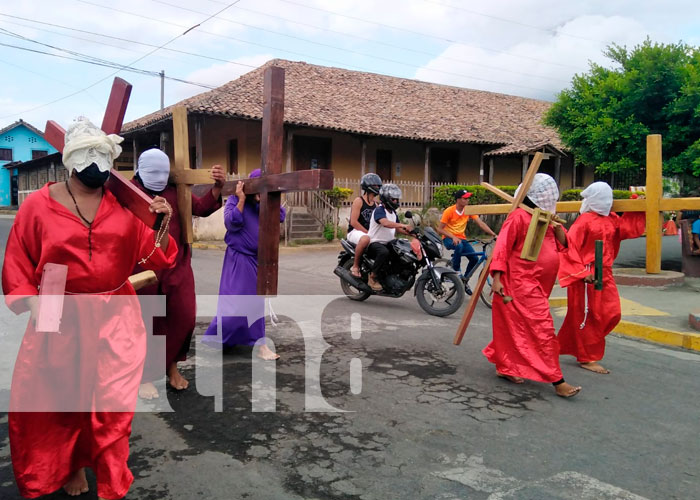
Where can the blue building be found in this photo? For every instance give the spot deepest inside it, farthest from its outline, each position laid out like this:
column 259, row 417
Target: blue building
column 19, row 142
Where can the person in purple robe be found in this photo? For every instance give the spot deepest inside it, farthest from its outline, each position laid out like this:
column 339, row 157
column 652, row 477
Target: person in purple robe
column 239, row 274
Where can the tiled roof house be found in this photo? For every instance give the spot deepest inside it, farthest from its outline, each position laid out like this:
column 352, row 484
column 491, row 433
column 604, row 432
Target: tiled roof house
column 355, row 122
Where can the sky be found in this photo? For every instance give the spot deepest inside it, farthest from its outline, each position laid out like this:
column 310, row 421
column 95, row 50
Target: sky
column 529, row 48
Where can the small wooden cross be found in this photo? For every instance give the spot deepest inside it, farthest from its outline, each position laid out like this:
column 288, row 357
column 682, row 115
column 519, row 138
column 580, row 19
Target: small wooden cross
column 476, row 293
column 270, row 185
column 124, row 191
column 653, row 205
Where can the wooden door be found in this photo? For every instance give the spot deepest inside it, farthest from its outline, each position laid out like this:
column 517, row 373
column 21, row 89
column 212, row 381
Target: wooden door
column 384, row 164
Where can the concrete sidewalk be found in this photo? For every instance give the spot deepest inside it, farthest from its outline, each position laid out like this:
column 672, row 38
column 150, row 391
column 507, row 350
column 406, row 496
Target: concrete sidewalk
column 657, row 314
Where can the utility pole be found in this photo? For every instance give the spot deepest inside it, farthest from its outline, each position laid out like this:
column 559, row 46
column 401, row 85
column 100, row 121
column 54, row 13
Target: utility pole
column 162, row 89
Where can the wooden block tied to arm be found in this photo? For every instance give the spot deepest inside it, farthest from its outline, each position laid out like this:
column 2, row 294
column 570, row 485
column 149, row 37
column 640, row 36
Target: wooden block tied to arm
column 51, row 295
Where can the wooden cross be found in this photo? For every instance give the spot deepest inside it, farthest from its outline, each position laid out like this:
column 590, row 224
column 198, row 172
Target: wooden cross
column 653, row 205
column 124, row 191
column 270, row 185
column 476, row 293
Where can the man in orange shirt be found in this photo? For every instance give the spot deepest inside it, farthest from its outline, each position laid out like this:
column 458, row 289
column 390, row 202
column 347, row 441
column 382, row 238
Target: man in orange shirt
column 452, row 227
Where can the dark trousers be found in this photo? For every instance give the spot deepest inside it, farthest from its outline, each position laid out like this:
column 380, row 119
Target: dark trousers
column 379, row 252
column 464, row 249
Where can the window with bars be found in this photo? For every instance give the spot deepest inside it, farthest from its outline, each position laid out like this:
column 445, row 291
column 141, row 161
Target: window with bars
column 38, row 153
column 5, row 154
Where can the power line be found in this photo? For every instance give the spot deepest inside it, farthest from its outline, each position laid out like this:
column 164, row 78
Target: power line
column 322, row 59
column 108, row 64
column 184, row 52
column 511, row 21
column 413, row 32
column 393, row 46
column 364, row 54
column 84, row 58
column 128, row 65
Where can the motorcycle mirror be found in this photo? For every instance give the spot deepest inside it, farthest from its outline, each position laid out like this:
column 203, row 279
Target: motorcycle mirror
column 409, row 215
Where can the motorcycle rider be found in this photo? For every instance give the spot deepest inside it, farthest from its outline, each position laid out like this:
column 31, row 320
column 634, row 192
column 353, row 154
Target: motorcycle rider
column 360, row 216
column 382, row 229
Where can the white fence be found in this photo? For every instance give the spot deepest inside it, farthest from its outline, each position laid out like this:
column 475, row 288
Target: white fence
column 412, row 192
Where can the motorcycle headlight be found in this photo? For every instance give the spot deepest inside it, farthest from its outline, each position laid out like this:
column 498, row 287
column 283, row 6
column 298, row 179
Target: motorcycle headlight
column 440, row 248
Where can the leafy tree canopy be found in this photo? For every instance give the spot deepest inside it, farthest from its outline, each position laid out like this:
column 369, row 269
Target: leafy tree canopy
column 653, row 89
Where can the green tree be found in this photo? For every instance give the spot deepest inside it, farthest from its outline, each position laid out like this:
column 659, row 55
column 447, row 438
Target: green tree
column 653, row 89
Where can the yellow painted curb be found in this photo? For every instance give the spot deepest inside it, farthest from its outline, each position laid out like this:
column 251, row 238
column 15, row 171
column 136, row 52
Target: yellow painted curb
column 668, row 337
column 686, row 340
column 557, row 302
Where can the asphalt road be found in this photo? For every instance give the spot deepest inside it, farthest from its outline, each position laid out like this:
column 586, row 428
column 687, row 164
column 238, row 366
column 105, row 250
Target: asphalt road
column 430, row 420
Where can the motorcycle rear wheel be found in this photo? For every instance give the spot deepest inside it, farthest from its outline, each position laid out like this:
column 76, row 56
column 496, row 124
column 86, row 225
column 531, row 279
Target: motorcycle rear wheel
column 350, row 291
column 450, row 296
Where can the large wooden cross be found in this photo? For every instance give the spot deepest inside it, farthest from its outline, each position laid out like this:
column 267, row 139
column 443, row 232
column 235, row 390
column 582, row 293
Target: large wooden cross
column 124, row 191
column 270, row 185
column 517, row 202
column 654, row 205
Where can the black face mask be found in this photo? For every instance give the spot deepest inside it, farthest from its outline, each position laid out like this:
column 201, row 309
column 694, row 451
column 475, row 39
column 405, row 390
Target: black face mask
column 92, row 177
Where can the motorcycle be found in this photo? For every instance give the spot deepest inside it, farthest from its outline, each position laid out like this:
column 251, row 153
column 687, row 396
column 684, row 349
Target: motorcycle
column 438, row 290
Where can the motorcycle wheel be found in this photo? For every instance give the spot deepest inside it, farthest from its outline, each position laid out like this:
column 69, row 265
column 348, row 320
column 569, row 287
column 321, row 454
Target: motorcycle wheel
column 350, row 291
column 441, row 302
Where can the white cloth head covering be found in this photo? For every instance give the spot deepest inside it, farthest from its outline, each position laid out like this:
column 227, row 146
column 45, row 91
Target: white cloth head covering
column 87, row 144
column 598, row 198
column 154, row 169
column 543, row 192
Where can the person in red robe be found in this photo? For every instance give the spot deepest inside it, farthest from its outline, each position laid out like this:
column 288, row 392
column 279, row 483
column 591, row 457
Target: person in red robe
column 591, row 313
column 176, row 283
column 670, row 228
column 74, row 391
column 524, row 344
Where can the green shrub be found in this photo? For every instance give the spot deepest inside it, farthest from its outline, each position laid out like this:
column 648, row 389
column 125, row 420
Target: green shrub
column 443, row 196
column 575, row 195
column 337, row 195
column 329, row 231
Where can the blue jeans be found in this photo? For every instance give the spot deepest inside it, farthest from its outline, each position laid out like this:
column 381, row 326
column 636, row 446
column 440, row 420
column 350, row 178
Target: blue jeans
column 464, row 249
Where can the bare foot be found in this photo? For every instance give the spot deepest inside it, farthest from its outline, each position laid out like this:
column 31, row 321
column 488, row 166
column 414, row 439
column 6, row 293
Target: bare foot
column 511, row 378
column 355, row 271
column 595, row 367
column 175, row 378
column 566, row 390
column 267, row 354
column 77, row 484
column 148, row 391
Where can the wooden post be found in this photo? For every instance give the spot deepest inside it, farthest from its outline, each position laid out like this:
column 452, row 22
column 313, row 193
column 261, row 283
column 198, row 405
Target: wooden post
column 290, row 150
column 481, row 165
column 198, row 141
column 526, row 162
column 181, row 163
column 134, row 146
column 363, row 159
column 654, row 193
column 557, row 170
column 163, row 142
column 271, row 157
column 491, row 167
column 426, row 177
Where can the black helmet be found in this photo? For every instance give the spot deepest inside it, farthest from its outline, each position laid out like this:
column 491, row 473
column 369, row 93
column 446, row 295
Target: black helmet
column 371, row 182
column 389, row 195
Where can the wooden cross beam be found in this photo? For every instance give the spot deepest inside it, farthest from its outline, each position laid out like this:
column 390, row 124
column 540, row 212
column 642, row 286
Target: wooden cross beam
column 476, row 293
column 126, row 193
column 653, row 205
column 270, row 185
